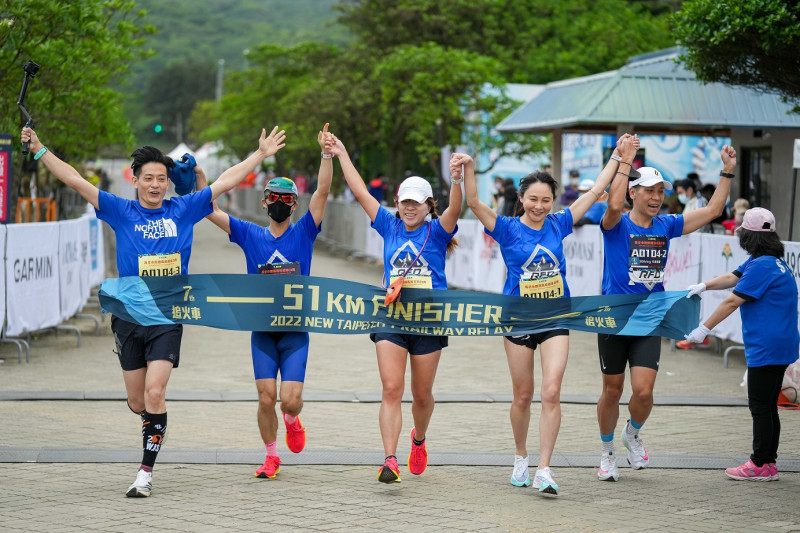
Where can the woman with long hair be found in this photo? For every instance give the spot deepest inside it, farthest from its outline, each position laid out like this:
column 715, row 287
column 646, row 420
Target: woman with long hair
column 765, row 292
column 531, row 244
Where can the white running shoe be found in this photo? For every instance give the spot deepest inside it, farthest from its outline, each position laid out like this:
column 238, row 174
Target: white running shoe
column 520, row 476
column 543, row 480
column 142, row 486
column 637, row 455
column 608, row 467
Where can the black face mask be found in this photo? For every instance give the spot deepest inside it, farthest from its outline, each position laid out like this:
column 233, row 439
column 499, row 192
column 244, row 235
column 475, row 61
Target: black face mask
column 279, row 211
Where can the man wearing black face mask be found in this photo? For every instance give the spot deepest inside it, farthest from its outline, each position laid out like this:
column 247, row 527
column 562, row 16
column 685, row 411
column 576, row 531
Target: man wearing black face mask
column 280, row 248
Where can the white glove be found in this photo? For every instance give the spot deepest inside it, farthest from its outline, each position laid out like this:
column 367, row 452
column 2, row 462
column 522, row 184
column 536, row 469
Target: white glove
column 698, row 334
column 695, row 289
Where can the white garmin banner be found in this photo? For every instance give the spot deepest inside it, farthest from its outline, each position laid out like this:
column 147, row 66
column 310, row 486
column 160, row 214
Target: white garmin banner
column 32, row 284
column 683, row 262
column 721, row 254
column 70, row 265
column 583, row 250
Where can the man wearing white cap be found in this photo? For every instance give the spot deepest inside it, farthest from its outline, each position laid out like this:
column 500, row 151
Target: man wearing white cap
column 636, row 247
column 765, row 292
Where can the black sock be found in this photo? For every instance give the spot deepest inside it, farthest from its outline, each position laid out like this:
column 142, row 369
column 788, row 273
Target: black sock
column 154, row 427
column 417, row 442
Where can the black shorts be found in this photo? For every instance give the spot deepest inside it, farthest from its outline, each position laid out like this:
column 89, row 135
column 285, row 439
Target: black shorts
column 415, row 344
column 138, row 344
column 617, row 351
column 534, row 339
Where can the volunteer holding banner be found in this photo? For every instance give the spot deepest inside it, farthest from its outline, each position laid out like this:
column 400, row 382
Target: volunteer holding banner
column 765, row 291
column 636, row 247
column 413, row 256
column 531, row 244
column 280, row 248
column 154, row 238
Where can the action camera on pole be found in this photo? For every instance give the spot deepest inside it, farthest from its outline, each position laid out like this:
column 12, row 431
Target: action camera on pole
column 30, row 69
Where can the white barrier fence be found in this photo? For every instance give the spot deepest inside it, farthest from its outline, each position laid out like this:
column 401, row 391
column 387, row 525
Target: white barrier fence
column 50, row 268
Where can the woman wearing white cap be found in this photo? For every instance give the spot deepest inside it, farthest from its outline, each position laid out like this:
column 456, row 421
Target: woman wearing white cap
column 636, row 246
column 531, row 244
column 765, row 292
column 414, row 248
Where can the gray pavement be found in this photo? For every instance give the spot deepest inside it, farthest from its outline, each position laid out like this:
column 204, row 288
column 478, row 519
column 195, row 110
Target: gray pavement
column 69, row 447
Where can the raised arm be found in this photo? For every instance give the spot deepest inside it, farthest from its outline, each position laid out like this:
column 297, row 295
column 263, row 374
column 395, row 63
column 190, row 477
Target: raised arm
column 626, row 149
column 700, row 217
column 64, row 172
column 353, row 178
column 219, row 217
column 267, row 145
column 320, row 197
column 485, row 214
column 449, row 218
column 619, row 188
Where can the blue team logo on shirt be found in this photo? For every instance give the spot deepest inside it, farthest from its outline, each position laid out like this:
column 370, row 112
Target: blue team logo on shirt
column 541, row 268
column 402, row 259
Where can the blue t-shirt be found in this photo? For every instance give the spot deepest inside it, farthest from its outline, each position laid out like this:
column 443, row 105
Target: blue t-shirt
column 400, row 247
column 154, row 242
column 635, row 257
column 769, row 313
column 288, row 254
column 534, row 258
column 596, row 212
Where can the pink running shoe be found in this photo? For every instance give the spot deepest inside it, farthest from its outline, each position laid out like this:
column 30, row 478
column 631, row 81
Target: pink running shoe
column 750, row 472
column 270, row 468
column 773, row 471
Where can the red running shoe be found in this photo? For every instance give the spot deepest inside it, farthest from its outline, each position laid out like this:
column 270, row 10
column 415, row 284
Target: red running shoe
column 295, row 435
column 270, row 468
column 418, row 458
column 390, row 471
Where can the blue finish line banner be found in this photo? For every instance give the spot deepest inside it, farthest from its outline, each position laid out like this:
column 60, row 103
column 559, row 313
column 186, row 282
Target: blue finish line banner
column 251, row 302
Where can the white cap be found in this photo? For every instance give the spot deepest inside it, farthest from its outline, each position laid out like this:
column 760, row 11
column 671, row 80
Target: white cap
column 414, row 188
column 647, row 177
column 585, row 185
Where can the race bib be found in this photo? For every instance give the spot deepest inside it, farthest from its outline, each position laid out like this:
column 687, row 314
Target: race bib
column 160, row 264
column 280, row 268
column 415, row 282
column 648, row 257
column 549, row 287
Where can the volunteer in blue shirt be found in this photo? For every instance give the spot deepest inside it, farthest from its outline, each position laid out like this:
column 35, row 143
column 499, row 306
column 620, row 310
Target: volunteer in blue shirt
column 280, row 248
column 636, row 246
column 532, row 248
column 765, row 292
column 154, row 238
column 414, row 248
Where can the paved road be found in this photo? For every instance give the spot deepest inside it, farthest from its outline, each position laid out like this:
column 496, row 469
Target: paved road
column 69, row 446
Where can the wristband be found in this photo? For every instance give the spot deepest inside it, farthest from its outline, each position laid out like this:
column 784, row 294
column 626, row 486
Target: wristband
column 40, row 153
column 457, row 182
column 621, row 162
column 722, row 174
column 326, row 156
column 616, row 158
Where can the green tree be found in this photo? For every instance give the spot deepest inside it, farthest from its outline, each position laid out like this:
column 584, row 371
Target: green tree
column 755, row 43
column 81, row 47
column 536, row 41
column 172, row 93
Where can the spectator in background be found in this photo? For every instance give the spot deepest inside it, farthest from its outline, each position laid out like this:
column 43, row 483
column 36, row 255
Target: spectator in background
column 706, row 192
column 378, row 187
column 740, row 206
column 509, row 198
column 595, row 213
column 498, row 192
column 687, row 195
column 570, row 193
column 548, row 168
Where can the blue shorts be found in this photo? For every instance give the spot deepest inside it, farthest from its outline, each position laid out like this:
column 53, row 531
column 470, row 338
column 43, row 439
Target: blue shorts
column 278, row 351
column 415, row 344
